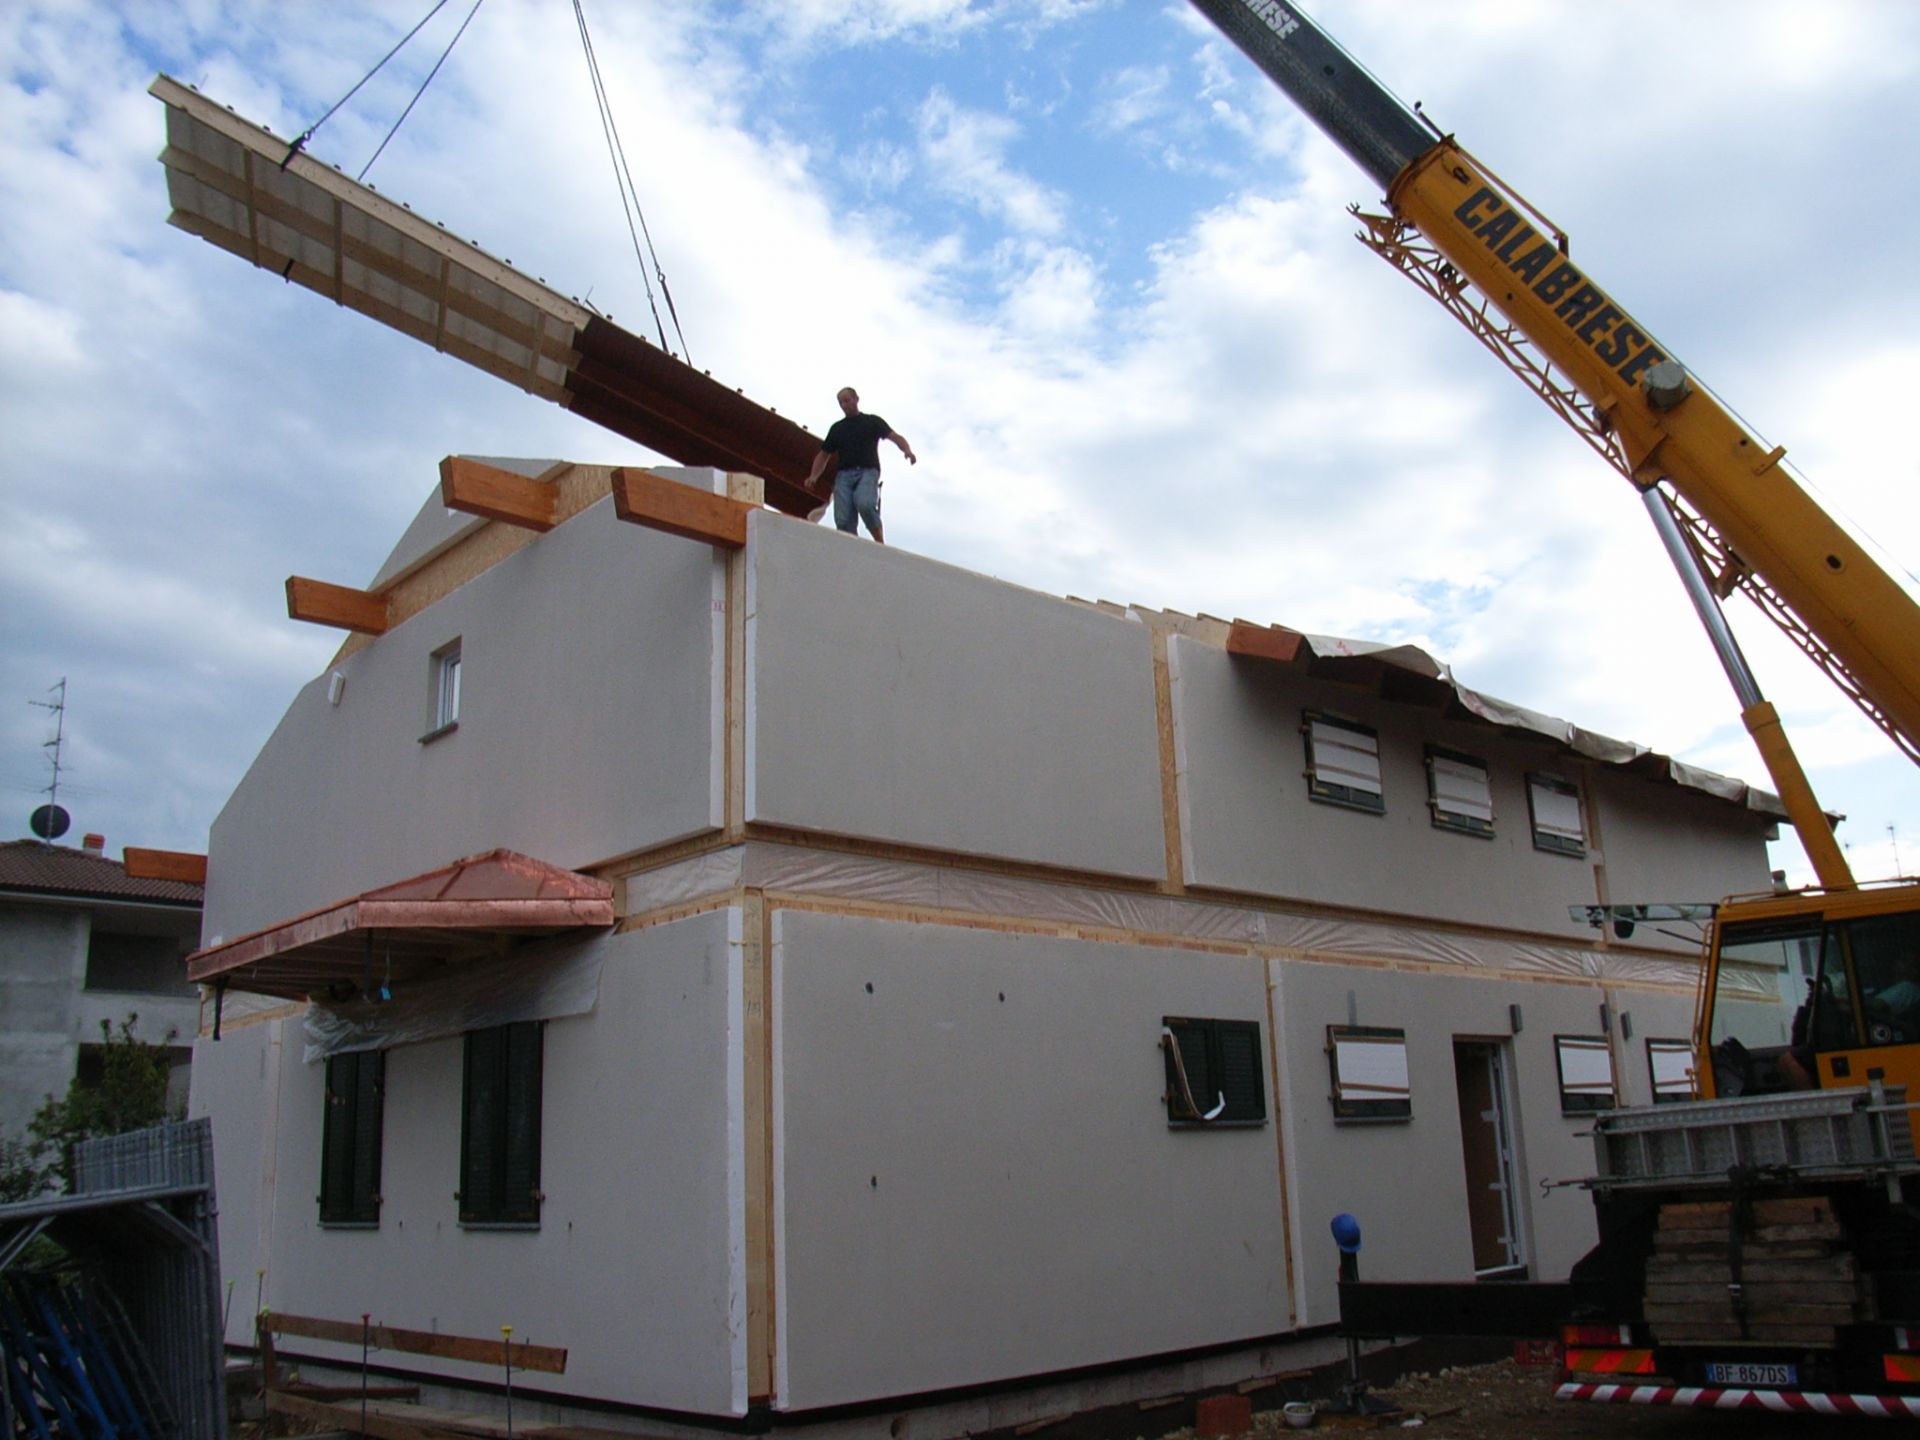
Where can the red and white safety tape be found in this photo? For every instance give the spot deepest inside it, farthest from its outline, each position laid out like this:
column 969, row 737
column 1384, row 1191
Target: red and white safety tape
column 1812, row 1402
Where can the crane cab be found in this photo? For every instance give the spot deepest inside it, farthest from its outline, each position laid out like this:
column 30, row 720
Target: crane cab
column 1812, row 989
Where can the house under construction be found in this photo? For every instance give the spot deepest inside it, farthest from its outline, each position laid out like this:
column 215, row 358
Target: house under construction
column 787, row 979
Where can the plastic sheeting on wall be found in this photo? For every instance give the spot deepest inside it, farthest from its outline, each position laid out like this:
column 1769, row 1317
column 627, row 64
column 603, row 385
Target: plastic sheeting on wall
column 542, row 981
column 801, row 871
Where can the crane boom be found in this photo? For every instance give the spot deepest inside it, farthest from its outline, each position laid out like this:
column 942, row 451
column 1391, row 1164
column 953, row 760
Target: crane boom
column 1853, row 616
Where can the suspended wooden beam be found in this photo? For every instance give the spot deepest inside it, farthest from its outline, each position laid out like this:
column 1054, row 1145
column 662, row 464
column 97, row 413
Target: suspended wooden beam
column 237, row 186
column 319, row 603
column 181, row 865
column 481, row 489
column 1264, row 642
column 661, row 504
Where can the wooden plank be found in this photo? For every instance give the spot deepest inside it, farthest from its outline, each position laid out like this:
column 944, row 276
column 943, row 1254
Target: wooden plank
column 181, row 865
column 662, row 504
column 1263, row 642
column 319, row 603
column 1770, row 1268
column 1696, row 1215
column 480, row 489
column 548, row 1359
column 351, row 1392
column 1793, row 1210
column 347, row 1418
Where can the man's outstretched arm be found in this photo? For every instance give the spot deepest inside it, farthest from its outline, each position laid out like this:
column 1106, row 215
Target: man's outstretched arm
column 905, row 449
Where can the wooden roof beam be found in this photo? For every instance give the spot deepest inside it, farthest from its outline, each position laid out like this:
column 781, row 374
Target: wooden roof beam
column 319, row 603
column 661, row 504
column 496, row 494
column 1263, row 642
column 181, row 865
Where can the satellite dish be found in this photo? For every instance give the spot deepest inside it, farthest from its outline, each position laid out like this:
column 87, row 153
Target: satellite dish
column 49, row 822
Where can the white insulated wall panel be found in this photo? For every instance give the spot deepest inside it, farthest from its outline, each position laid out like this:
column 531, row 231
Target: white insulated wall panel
column 589, row 682
column 1419, row 1231
column 633, row 1268
column 976, row 1178
column 1248, row 824
column 1663, row 844
column 896, row 698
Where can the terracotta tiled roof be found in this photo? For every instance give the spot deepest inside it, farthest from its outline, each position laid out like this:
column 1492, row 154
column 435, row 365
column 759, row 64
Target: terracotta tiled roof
column 29, row 865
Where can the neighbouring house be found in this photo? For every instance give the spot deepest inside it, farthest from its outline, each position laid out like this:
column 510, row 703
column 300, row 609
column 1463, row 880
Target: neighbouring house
column 788, row 974
column 83, row 942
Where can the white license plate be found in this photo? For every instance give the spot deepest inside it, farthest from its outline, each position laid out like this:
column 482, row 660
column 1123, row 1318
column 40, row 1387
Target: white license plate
column 1750, row 1374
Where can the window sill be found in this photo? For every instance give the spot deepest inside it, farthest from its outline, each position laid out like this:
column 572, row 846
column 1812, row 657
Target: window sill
column 499, row 1224
column 349, row 1224
column 446, row 729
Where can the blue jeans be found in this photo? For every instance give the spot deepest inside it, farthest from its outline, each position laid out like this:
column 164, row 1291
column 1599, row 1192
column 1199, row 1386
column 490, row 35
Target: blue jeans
column 856, row 492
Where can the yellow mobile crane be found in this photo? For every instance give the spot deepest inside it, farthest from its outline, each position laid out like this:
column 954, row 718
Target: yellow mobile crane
column 1795, row 1163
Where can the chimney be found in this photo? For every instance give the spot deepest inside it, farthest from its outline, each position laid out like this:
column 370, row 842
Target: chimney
column 94, row 844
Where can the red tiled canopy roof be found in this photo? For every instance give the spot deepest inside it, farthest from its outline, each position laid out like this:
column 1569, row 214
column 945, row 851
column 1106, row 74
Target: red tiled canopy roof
column 403, row 932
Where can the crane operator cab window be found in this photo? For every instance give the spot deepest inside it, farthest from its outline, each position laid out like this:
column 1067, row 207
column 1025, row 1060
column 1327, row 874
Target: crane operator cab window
column 1788, row 993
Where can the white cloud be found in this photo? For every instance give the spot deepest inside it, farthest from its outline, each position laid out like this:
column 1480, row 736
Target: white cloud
column 964, row 153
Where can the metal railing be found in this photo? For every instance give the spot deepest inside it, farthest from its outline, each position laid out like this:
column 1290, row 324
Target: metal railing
column 170, row 1156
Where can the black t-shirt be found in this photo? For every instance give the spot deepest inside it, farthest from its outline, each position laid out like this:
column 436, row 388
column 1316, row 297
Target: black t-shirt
column 856, row 440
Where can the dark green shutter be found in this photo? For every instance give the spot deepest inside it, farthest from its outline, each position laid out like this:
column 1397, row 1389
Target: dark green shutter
column 350, row 1138
column 1221, row 1058
column 1237, row 1045
column 500, row 1126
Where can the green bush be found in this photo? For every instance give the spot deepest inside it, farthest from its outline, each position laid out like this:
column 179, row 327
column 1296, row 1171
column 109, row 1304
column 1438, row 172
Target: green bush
column 131, row 1095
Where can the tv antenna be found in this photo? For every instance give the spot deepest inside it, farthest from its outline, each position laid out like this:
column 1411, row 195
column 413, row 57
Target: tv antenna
column 50, row 822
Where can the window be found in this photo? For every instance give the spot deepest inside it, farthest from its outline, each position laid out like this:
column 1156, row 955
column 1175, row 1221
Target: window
column 1343, row 763
column 1557, row 823
column 1458, row 792
column 1586, row 1073
column 1671, row 1063
column 446, row 690
column 1213, row 1072
column 1369, row 1073
column 138, row 964
column 500, row 1126
column 350, row 1138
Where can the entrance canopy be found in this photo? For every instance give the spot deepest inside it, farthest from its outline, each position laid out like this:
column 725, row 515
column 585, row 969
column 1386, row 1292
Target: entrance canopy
column 473, row 909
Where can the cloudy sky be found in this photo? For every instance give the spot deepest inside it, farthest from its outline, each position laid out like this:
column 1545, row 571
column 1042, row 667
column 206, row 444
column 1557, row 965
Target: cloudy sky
column 1081, row 253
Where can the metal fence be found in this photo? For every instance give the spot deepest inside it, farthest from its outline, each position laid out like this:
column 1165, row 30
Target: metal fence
column 171, row 1156
column 140, row 1222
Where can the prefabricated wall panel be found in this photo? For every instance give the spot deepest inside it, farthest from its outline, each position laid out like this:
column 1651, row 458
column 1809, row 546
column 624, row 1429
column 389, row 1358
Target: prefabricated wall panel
column 1665, row 844
column 975, row 1177
column 590, row 687
column 1405, row 1181
column 634, row 1268
column 1249, row 825
column 236, row 1083
column 894, row 698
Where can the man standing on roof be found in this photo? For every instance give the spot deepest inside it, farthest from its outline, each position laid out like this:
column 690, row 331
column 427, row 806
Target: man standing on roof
column 855, row 438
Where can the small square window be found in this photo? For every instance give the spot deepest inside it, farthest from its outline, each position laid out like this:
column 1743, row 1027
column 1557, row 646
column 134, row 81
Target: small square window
column 1213, row 1072
column 1671, row 1064
column 1343, row 763
column 1369, row 1073
column 1558, row 825
column 1458, row 792
column 350, row 1139
column 1586, row 1073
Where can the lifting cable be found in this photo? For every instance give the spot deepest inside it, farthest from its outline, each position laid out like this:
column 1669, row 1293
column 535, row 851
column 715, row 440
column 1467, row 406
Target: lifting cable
column 300, row 143
column 630, row 196
column 423, row 86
